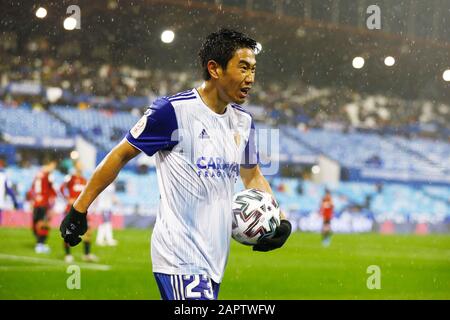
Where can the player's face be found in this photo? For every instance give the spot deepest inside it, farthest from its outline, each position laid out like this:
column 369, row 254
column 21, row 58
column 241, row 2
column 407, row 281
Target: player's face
column 239, row 76
column 51, row 166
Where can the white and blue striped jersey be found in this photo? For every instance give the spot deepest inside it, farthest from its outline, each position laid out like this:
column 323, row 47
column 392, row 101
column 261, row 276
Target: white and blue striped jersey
column 198, row 156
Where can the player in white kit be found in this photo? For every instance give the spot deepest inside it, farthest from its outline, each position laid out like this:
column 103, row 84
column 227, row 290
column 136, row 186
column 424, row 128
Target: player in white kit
column 202, row 140
column 5, row 190
column 105, row 204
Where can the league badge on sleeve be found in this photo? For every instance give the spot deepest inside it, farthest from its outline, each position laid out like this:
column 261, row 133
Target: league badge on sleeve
column 139, row 127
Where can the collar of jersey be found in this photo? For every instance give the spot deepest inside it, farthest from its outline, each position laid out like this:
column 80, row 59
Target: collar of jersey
column 227, row 110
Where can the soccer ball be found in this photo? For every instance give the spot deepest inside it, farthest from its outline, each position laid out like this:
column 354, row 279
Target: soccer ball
column 256, row 215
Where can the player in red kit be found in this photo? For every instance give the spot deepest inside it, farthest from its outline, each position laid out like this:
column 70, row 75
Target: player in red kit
column 70, row 189
column 42, row 195
column 326, row 211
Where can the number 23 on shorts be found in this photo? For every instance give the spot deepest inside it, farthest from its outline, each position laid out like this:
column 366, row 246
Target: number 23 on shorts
column 187, row 287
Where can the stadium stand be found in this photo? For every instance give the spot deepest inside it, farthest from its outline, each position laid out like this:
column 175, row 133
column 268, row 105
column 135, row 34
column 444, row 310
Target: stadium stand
column 105, row 128
column 30, row 122
column 394, row 143
column 357, row 149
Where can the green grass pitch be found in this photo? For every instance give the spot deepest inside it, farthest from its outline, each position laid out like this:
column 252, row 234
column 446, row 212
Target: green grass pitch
column 411, row 267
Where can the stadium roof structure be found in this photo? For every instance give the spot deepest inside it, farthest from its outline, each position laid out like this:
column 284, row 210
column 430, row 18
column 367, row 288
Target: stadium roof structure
column 314, row 41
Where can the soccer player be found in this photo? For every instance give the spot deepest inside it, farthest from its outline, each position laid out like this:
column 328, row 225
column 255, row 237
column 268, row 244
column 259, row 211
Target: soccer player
column 42, row 195
column 326, row 211
column 105, row 204
column 202, row 140
column 5, row 190
column 70, row 189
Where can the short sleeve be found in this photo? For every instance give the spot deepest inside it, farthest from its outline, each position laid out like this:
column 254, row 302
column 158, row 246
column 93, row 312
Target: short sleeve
column 250, row 158
column 156, row 129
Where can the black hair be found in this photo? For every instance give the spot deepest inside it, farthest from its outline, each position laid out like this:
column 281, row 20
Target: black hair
column 220, row 46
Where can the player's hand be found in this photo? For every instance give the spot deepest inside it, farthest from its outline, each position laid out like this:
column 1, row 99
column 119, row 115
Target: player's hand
column 73, row 226
column 281, row 235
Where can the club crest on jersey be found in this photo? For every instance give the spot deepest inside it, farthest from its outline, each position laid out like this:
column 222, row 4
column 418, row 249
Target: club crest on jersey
column 139, row 127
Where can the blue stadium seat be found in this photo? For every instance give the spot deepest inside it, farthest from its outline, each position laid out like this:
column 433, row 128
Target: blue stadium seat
column 105, row 128
column 27, row 122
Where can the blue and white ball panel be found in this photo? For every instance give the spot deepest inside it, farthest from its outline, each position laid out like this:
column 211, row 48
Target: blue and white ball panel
column 186, row 287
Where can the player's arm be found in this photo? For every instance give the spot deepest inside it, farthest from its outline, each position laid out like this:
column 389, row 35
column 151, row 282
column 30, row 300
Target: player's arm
column 253, row 178
column 75, row 223
column 105, row 173
column 155, row 131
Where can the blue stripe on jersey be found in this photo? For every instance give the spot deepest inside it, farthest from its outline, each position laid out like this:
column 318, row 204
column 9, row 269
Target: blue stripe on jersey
column 179, row 95
column 184, row 93
column 238, row 107
column 183, row 98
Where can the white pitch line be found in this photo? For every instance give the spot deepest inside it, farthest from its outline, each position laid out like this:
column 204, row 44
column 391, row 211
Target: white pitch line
column 92, row 266
column 34, row 268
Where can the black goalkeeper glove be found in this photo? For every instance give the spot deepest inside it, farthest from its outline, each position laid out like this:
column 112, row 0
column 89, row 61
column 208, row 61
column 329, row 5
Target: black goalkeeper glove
column 281, row 235
column 73, row 226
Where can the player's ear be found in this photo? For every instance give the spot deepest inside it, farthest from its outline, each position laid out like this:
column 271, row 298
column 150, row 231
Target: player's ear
column 214, row 69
